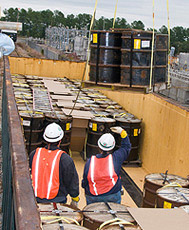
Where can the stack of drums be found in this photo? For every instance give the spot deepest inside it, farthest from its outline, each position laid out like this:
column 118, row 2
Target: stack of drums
column 161, row 57
column 33, row 128
column 69, row 215
column 65, row 122
column 155, row 181
column 96, row 214
column 96, row 127
column 170, row 197
column 133, row 128
column 105, row 56
column 136, row 57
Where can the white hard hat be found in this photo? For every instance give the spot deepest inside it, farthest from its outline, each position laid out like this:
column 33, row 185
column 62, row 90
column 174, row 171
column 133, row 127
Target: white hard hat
column 53, row 133
column 106, row 142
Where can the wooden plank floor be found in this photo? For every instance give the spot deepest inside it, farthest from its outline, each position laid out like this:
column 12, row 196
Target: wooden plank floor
column 136, row 173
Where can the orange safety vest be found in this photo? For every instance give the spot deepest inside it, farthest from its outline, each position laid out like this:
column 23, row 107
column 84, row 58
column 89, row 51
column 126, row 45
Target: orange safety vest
column 45, row 173
column 101, row 176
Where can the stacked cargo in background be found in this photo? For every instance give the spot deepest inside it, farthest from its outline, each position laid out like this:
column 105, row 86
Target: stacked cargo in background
column 131, row 63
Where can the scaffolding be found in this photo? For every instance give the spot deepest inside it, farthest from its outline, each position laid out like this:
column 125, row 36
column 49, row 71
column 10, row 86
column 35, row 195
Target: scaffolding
column 68, row 40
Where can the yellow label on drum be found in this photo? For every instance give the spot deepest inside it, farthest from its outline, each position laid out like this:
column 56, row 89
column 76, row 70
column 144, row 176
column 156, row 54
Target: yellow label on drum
column 67, row 126
column 135, row 132
column 137, row 43
column 167, row 204
column 95, row 38
column 94, row 127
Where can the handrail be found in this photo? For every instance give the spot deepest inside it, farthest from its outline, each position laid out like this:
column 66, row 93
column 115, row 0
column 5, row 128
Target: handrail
column 26, row 214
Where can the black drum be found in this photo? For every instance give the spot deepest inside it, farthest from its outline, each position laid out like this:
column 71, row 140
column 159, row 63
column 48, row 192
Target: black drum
column 68, row 214
column 65, row 123
column 170, row 197
column 105, row 58
column 136, row 58
column 155, row 181
column 95, row 214
column 96, row 127
column 33, row 128
column 133, row 128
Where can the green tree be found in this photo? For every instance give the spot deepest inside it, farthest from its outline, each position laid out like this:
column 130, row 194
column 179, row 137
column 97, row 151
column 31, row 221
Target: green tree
column 121, row 23
column 82, row 21
column 137, row 25
column 58, row 18
column 163, row 30
column 70, row 21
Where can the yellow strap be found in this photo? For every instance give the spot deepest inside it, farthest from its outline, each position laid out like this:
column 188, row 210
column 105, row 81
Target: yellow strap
column 30, row 111
column 169, row 43
column 93, row 94
column 110, row 107
column 99, row 115
column 173, row 184
column 21, row 101
column 115, row 15
column 121, row 115
column 152, row 53
column 89, row 42
column 85, row 71
column 112, row 221
column 101, row 99
column 58, row 218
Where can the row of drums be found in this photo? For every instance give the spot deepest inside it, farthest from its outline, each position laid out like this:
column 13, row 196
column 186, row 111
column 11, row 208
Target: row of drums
column 34, row 124
column 93, row 216
column 100, row 125
column 165, row 191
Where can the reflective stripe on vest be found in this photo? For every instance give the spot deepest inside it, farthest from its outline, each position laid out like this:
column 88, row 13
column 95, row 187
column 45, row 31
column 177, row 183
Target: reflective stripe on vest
column 101, row 176
column 45, row 173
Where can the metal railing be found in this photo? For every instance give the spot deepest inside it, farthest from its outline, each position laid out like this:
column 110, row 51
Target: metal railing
column 19, row 207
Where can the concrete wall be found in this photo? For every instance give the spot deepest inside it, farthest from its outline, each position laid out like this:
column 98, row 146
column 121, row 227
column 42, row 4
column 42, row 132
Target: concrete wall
column 165, row 131
column 46, row 68
column 179, row 90
column 45, row 50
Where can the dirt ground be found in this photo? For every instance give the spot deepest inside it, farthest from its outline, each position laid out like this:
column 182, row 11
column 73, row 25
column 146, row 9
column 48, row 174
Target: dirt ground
column 23, row 50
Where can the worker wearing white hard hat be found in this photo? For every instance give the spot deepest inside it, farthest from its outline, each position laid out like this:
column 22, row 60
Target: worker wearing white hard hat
column 101, row 179
column 54, row 175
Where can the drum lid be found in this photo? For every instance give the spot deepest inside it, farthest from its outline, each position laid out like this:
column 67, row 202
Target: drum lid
column 102, row 217
column 175, row 194
column 157, row 178
column 102, row 119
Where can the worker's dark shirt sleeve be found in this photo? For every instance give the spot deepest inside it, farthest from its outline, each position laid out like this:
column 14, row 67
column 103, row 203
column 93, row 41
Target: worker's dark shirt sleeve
column 84, row 183
column 69, row 175
column 121, row 155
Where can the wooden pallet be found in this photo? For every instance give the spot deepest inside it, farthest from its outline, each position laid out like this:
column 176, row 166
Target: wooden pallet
column 123, row 87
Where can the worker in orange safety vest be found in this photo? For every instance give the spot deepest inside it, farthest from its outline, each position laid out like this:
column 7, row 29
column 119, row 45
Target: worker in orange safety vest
column 101, row 179
column 53, row 172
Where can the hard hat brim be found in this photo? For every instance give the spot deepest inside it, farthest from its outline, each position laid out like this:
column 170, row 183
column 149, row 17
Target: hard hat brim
column 105, row 148
column 53, row 140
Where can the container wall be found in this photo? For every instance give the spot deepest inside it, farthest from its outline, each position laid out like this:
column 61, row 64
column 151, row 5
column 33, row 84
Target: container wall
column 164, row 142
column 46, row 68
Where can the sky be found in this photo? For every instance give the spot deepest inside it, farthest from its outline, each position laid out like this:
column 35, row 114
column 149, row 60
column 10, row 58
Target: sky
column 129, row 9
